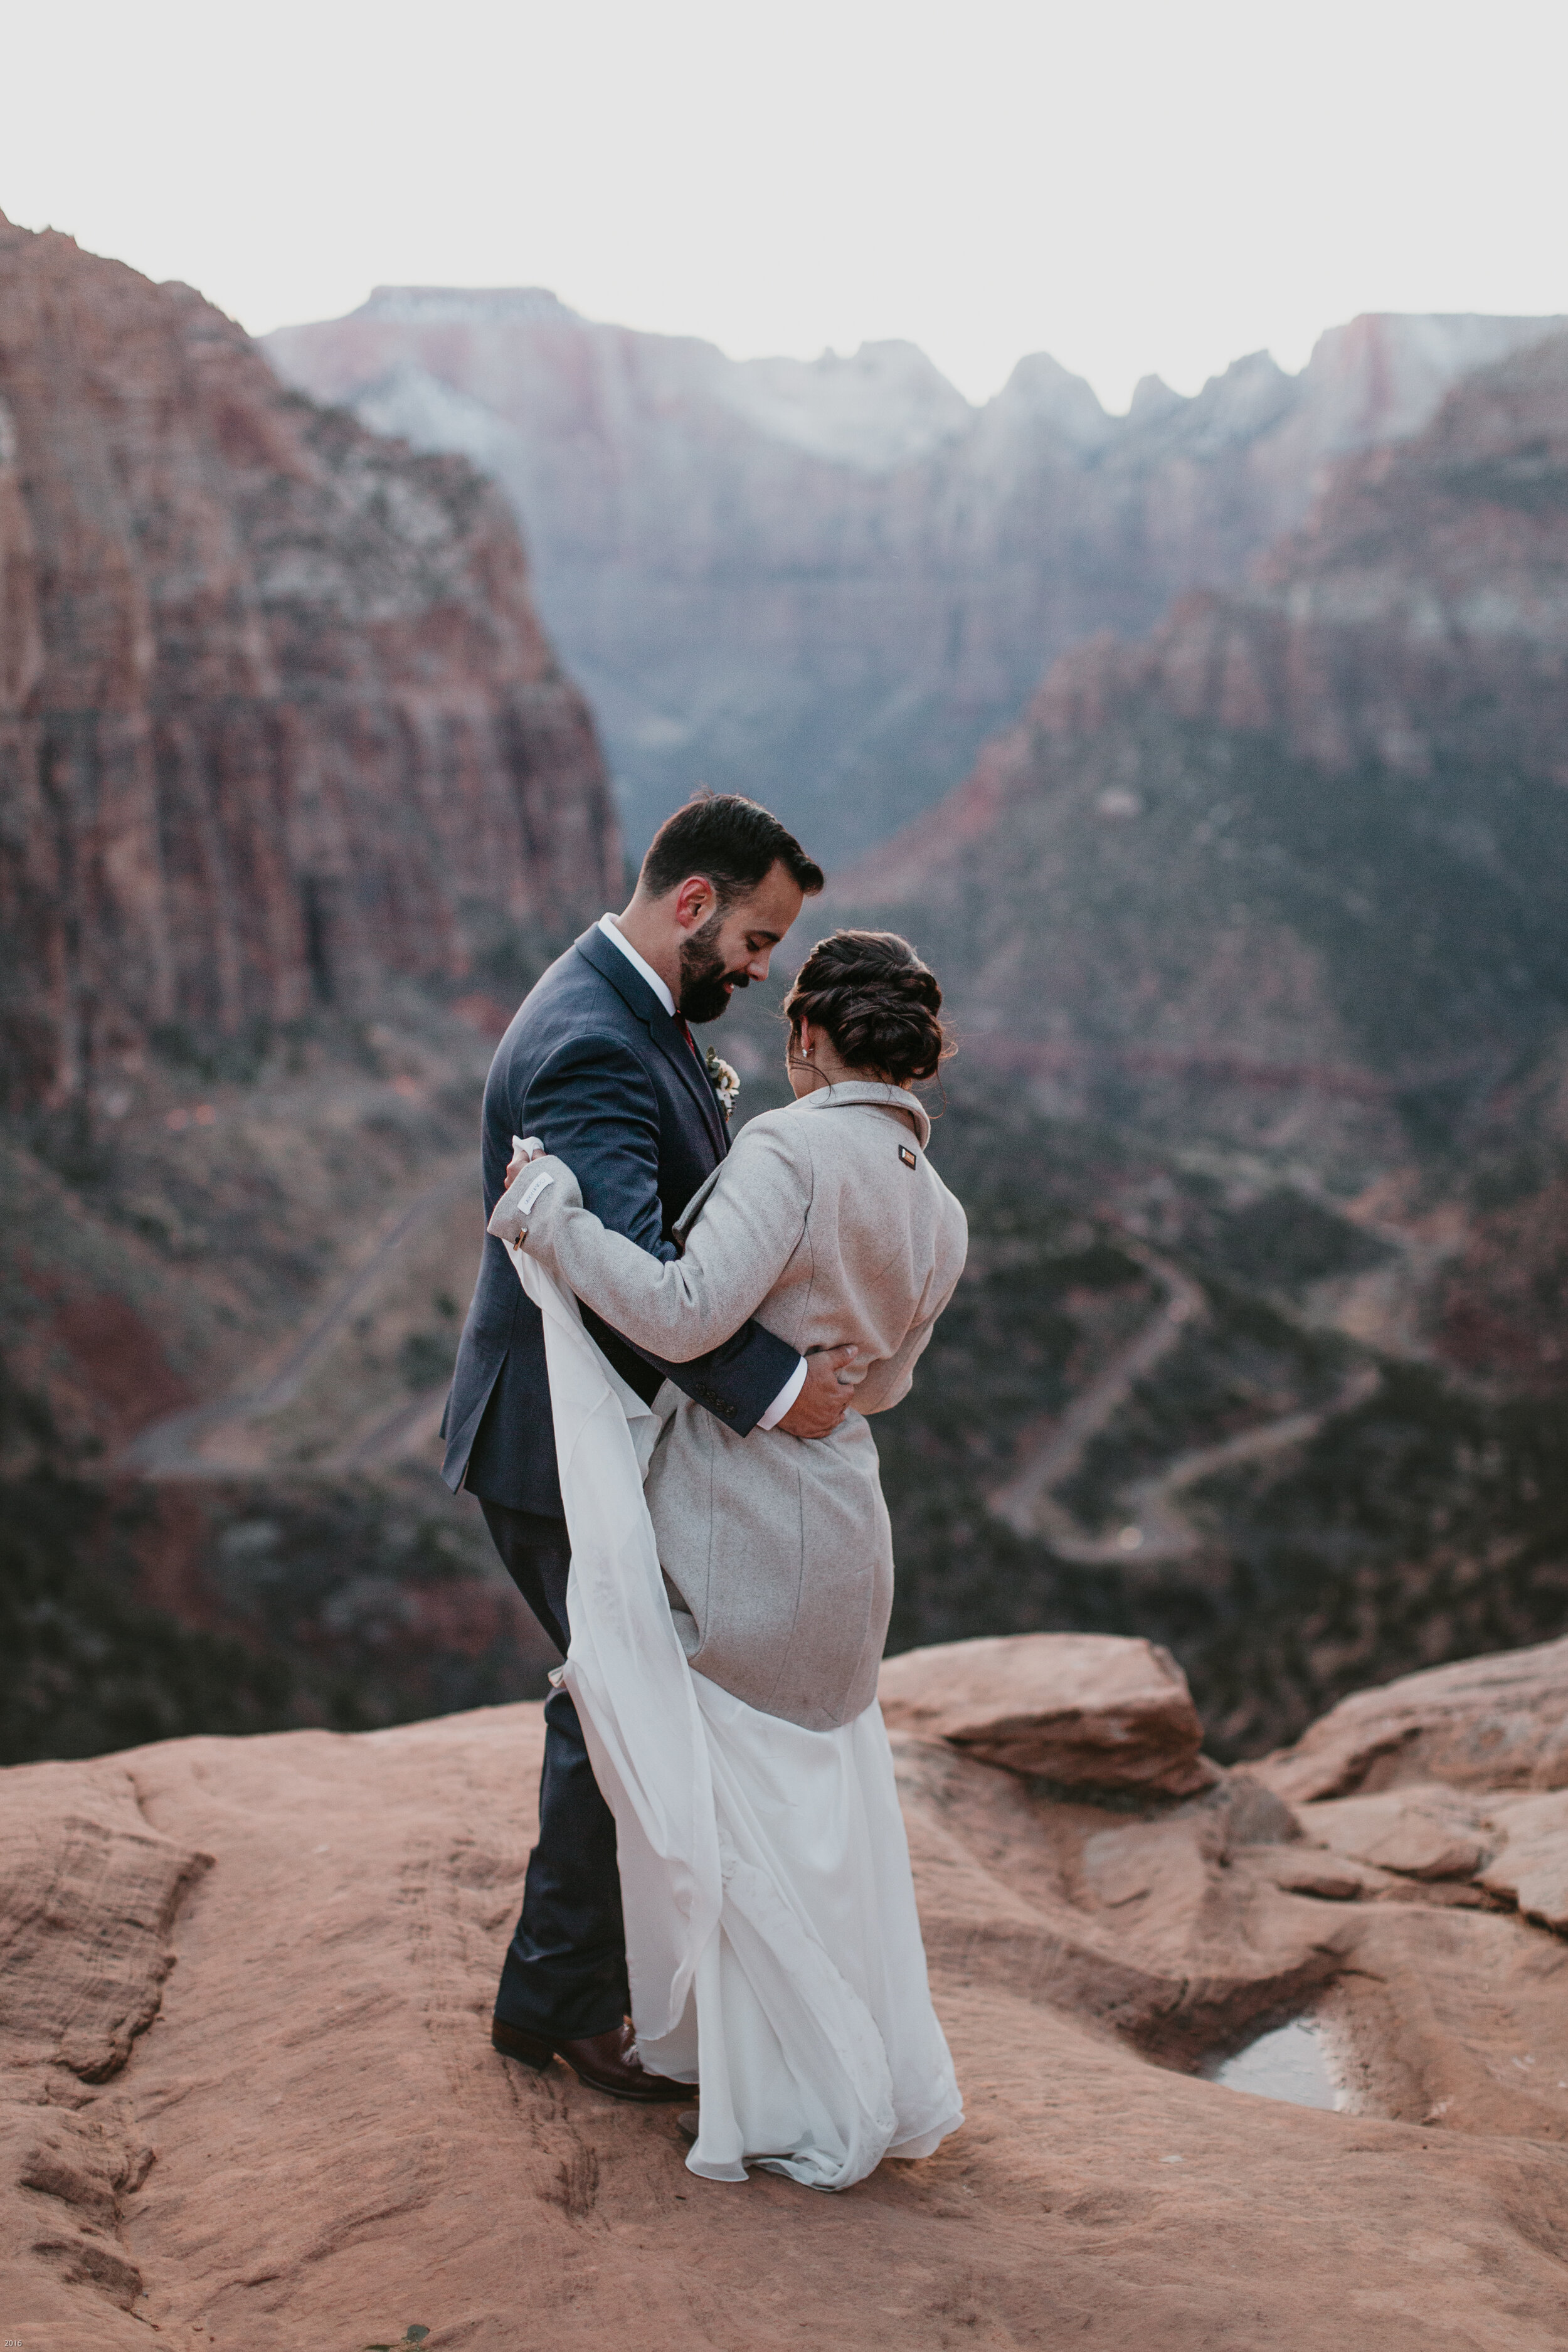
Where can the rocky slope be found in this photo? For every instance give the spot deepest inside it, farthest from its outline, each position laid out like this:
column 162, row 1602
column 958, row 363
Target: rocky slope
column 1293, row 870
column 249, row 2099
column 293, row 797
column 829, row 583
column 1255, row 935
column 277, row 716
column 229, row 1314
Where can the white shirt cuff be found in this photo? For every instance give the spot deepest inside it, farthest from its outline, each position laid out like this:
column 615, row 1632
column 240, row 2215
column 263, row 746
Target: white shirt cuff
column 785, row 1398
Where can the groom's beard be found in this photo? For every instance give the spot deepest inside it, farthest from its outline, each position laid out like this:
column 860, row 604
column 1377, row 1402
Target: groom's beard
column 705, row 984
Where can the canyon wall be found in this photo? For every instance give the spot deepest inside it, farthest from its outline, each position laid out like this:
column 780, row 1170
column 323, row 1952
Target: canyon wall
column 828, row 584
column 1296, row 862
column 277, row 715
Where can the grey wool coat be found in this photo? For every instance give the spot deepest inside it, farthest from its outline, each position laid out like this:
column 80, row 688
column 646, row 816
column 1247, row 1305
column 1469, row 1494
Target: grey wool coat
column 827, row 1223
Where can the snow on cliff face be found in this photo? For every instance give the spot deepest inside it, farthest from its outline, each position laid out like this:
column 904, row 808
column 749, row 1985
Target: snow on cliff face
column 825, row 582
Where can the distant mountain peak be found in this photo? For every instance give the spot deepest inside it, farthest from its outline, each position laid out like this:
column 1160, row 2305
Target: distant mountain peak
column 827, row 581
column 1153, row 398
column 875, row 408
column 427, row 305
column 1300, row 852
column 1042, row 389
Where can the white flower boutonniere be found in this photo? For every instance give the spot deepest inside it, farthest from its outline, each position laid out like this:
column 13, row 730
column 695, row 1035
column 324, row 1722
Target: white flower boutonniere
column 725, row 1082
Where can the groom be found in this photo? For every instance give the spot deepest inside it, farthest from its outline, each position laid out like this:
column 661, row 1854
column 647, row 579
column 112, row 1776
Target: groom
column 600, row 1064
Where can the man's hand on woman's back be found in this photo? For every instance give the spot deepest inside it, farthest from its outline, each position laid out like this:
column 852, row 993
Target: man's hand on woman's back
column 825, row 1398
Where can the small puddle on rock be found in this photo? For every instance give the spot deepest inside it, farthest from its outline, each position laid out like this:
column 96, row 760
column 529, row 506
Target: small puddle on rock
column 1290, row 2064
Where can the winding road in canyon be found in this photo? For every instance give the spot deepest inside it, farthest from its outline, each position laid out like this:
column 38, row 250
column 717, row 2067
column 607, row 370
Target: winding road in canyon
column 1151, row 1529
column 171, row 1447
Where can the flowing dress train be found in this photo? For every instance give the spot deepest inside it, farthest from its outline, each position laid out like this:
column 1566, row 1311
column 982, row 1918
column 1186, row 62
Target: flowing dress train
column 772, row 1941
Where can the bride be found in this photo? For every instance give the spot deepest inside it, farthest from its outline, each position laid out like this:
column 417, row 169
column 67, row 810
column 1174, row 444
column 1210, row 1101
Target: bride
column 727, row 1616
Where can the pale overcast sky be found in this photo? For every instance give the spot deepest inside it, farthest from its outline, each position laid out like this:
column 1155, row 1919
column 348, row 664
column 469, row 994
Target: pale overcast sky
column 1133, row 188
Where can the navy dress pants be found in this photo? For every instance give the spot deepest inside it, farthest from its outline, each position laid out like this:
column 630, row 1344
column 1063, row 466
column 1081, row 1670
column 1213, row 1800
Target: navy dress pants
column 564, row 1976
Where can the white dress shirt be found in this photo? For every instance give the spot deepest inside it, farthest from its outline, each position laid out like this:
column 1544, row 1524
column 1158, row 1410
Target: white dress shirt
column 613, row 932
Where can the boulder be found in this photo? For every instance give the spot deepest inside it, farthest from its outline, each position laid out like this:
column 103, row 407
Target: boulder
column 1085, row 1710
column 1532, row 1867
column 1497, row 1722
column 1330, row 1878
column 1419, row 1833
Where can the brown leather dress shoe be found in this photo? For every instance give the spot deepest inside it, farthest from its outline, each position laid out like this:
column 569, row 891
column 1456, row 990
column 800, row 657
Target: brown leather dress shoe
column 608, row 2062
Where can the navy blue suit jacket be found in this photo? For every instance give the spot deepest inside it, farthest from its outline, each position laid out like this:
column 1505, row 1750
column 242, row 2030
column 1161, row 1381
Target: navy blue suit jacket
column 595, row 1066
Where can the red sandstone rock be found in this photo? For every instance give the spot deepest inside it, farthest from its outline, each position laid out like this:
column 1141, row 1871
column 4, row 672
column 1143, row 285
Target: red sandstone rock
column 276, row 716
column 1420, row 1831
column 1078, row 1708
column 1334, row 1878
column 306, row 2138
column 1531, row 1868
column 1486, row 1723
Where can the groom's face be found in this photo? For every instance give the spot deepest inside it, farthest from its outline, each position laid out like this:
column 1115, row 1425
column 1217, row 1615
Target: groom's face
column 734, row 945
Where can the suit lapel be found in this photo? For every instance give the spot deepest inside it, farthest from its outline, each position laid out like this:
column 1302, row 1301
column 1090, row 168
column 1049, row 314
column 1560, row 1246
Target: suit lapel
column 639, row 997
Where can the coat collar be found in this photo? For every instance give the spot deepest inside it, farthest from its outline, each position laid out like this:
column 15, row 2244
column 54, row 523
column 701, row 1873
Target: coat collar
column 639, row 997
column 870, row 1090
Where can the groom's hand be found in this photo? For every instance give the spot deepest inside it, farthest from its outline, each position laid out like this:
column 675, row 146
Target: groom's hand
column 823, row 1399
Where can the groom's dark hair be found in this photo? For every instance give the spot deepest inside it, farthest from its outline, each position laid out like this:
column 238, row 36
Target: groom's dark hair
column 733, row 842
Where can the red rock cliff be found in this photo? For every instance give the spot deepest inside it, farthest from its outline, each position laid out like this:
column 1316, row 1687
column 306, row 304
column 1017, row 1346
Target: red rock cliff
column 1306, row 846
column 277, row 716
column 828, row 583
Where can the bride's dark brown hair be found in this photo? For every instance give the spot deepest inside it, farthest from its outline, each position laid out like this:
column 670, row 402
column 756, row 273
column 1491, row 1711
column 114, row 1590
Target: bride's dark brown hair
column 876, row 1001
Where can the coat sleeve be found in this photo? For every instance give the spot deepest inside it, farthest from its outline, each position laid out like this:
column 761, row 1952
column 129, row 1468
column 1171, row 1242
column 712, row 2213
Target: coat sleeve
column 887, row 1384
column 680, row 1308
column 594, row 1105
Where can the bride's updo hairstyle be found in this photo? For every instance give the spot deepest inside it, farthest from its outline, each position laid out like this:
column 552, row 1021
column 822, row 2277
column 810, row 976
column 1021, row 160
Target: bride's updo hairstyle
column 876, row 1002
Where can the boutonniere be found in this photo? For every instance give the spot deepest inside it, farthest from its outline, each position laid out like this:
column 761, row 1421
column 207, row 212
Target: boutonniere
column 724, row 1081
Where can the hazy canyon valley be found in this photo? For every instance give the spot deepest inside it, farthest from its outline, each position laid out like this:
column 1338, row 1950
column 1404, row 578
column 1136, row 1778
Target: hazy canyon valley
column 1214, row 753
column 1217, row 755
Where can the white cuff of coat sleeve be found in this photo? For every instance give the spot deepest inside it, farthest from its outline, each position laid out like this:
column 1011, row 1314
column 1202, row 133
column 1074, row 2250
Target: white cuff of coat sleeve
column 785, row 1398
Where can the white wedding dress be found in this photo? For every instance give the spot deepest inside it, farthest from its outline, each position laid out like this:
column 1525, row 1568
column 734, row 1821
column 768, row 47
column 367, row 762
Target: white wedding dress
column 773, row 1943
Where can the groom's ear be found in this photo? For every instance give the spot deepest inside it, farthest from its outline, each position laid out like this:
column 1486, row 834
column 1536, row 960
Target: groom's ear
column 694, row 901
